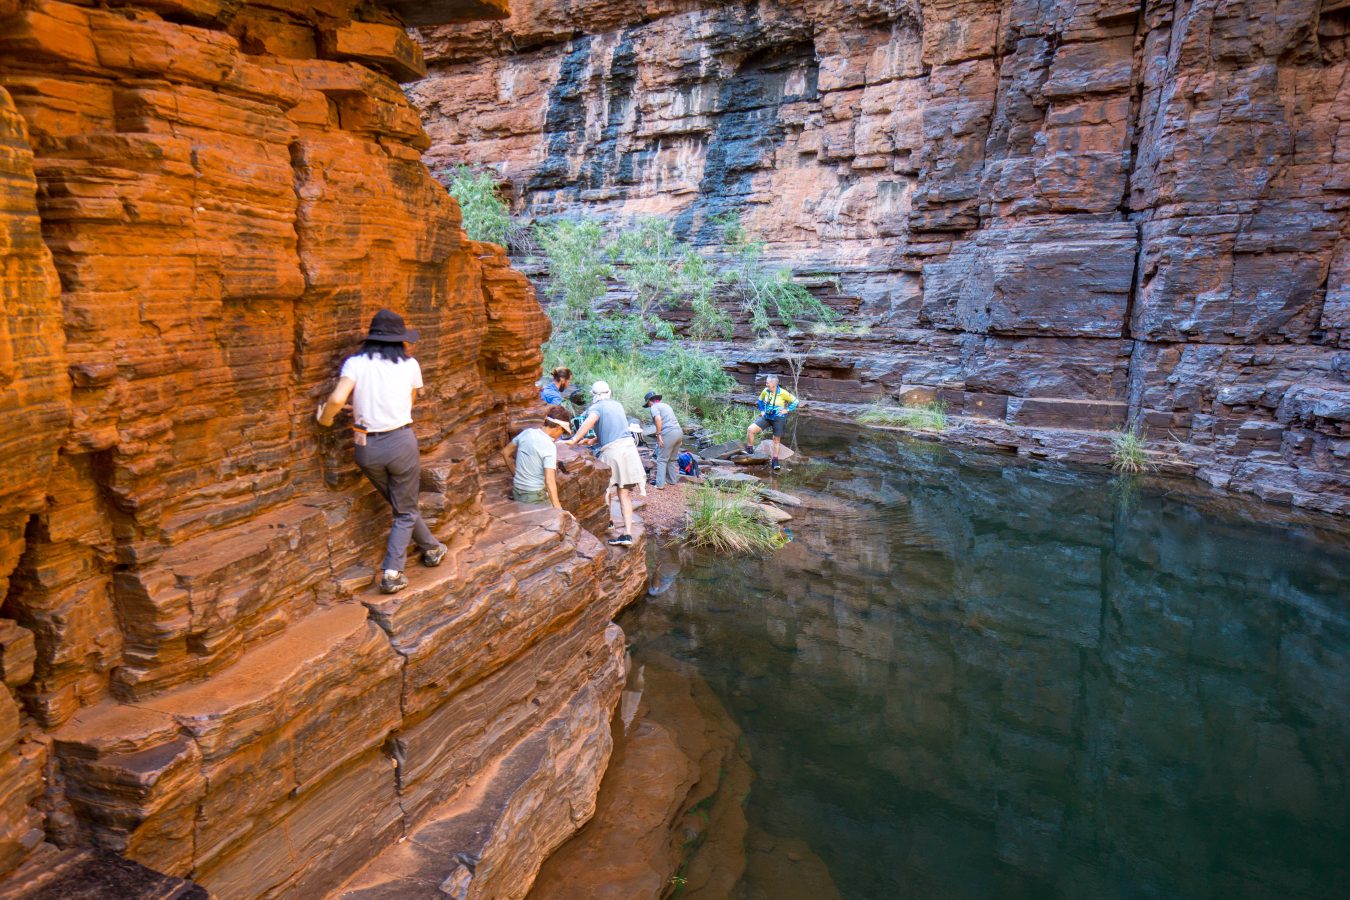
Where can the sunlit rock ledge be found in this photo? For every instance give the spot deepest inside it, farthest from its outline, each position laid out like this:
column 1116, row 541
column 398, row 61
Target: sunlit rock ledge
column 202, row 204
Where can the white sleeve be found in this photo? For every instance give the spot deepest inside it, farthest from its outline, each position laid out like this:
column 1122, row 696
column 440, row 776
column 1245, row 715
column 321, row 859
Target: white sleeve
column 416, row 375
column 349, row 368
column 550, row 456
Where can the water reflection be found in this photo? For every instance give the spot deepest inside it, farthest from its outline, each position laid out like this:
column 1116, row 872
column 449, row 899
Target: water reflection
column 969, row 677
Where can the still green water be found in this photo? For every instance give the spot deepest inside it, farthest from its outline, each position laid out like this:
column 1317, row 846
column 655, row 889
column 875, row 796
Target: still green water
column 970, row 676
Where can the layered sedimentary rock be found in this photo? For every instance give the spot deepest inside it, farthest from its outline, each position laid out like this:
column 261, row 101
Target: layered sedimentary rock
column 202, row 203
column 1056, row 214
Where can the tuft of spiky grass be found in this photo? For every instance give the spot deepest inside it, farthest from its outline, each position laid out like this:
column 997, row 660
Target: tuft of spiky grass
column 724, row 520
column 931, row 416
column 1128, row 454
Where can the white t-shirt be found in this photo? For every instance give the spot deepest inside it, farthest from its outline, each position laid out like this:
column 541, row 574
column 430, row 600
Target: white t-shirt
column 382, row 398
column 535, row 452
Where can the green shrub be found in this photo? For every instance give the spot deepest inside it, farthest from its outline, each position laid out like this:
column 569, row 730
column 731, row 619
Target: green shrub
column 698, row 285
column 691, row 381
column 647, row 251
column 688, row 377
column 931, row 416
column 725, row 422
column 1128, row 455
column 724, row 521
column 485, row 214
column 579, row 274
column 769, row 296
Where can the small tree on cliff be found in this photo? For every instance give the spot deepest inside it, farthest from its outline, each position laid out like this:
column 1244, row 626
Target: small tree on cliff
column 485, row 214
column 771, row 299
column 578, row 276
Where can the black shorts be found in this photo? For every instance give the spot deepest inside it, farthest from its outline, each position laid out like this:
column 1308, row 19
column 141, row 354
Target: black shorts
column 777, row 423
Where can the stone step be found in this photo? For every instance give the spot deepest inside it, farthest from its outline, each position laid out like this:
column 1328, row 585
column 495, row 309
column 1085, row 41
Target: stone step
column 189, row 780
column 194, row 609
column 507, row 817
column 313, row 746
column 83, row 874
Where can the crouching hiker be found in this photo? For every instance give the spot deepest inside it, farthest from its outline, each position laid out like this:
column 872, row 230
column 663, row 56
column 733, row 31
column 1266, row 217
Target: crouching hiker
column 617, row 450
column 774, row 405
column 382, row 381
column 532, row 457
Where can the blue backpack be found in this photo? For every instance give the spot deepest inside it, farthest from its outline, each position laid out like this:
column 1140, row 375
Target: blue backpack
column 688, row 465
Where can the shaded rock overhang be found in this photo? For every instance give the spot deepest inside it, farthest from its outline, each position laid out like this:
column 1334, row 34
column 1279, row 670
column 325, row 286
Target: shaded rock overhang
column 448, row 12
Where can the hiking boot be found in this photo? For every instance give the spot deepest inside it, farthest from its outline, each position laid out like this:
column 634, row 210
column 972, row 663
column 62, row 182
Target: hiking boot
column 749, row 448
column 776, row 466
column 392, row 584
column 623, row 540
column 432, row 558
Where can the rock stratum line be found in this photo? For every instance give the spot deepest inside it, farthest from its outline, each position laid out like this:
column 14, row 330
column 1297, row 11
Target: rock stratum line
column 1059, row 216
column 202, row 202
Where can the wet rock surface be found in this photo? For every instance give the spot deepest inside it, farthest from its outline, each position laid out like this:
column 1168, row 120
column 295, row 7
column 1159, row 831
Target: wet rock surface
column 202, row 204
column 1052, row 215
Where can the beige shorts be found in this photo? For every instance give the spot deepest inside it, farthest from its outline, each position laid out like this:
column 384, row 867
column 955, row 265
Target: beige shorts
column 625, row 466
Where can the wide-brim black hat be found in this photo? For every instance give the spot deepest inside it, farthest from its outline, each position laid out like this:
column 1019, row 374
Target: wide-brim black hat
column 387, row 326
column 651, row 395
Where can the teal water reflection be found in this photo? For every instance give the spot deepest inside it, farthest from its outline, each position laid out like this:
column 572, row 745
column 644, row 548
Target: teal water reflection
column 973, row 677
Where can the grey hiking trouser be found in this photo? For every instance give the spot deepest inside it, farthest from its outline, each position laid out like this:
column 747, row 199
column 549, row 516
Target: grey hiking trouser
column 392, row 463
column 668, row 458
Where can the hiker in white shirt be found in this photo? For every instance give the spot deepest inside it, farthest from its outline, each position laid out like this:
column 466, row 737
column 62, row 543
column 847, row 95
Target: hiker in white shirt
column 532, row 457
column 382, row 380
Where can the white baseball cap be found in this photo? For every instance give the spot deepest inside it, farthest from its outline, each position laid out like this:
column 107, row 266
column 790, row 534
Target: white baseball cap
column 600, row 389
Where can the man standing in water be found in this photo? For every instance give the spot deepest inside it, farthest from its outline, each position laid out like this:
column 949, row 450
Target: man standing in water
column 669, row 439
column 774, row 405
column 617, row 450
column 532, row 457
column 382, row 380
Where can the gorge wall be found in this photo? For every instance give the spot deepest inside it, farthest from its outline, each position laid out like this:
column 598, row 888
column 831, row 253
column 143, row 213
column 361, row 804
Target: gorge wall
column 1068, row 214
column 203, row 202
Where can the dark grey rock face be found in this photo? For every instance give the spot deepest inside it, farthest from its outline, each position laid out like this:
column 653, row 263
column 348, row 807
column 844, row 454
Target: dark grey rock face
column 1053, row 214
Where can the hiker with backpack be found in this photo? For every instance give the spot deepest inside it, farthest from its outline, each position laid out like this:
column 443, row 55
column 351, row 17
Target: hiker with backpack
column 775, row 403
column 617, row 450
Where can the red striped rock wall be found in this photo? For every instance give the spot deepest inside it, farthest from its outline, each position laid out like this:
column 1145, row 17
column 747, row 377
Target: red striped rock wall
column 1060, row 215
column 203, row 203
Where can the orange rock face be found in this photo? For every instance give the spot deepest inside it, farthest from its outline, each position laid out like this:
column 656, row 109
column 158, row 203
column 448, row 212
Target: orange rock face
column 202, row 204
column 1059, row 216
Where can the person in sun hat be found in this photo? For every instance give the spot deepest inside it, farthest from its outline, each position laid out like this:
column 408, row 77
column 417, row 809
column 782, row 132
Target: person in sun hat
column 382, row 381
column 617, row 450
column 532, row 457
column 669, row 439
column 775, row 403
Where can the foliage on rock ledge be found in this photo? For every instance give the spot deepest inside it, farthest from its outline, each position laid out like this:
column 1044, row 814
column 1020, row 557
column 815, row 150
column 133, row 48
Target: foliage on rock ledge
column 633, row 345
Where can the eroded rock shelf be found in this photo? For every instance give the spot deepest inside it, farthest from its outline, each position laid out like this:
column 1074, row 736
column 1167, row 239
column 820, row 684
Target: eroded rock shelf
column 202, row 204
